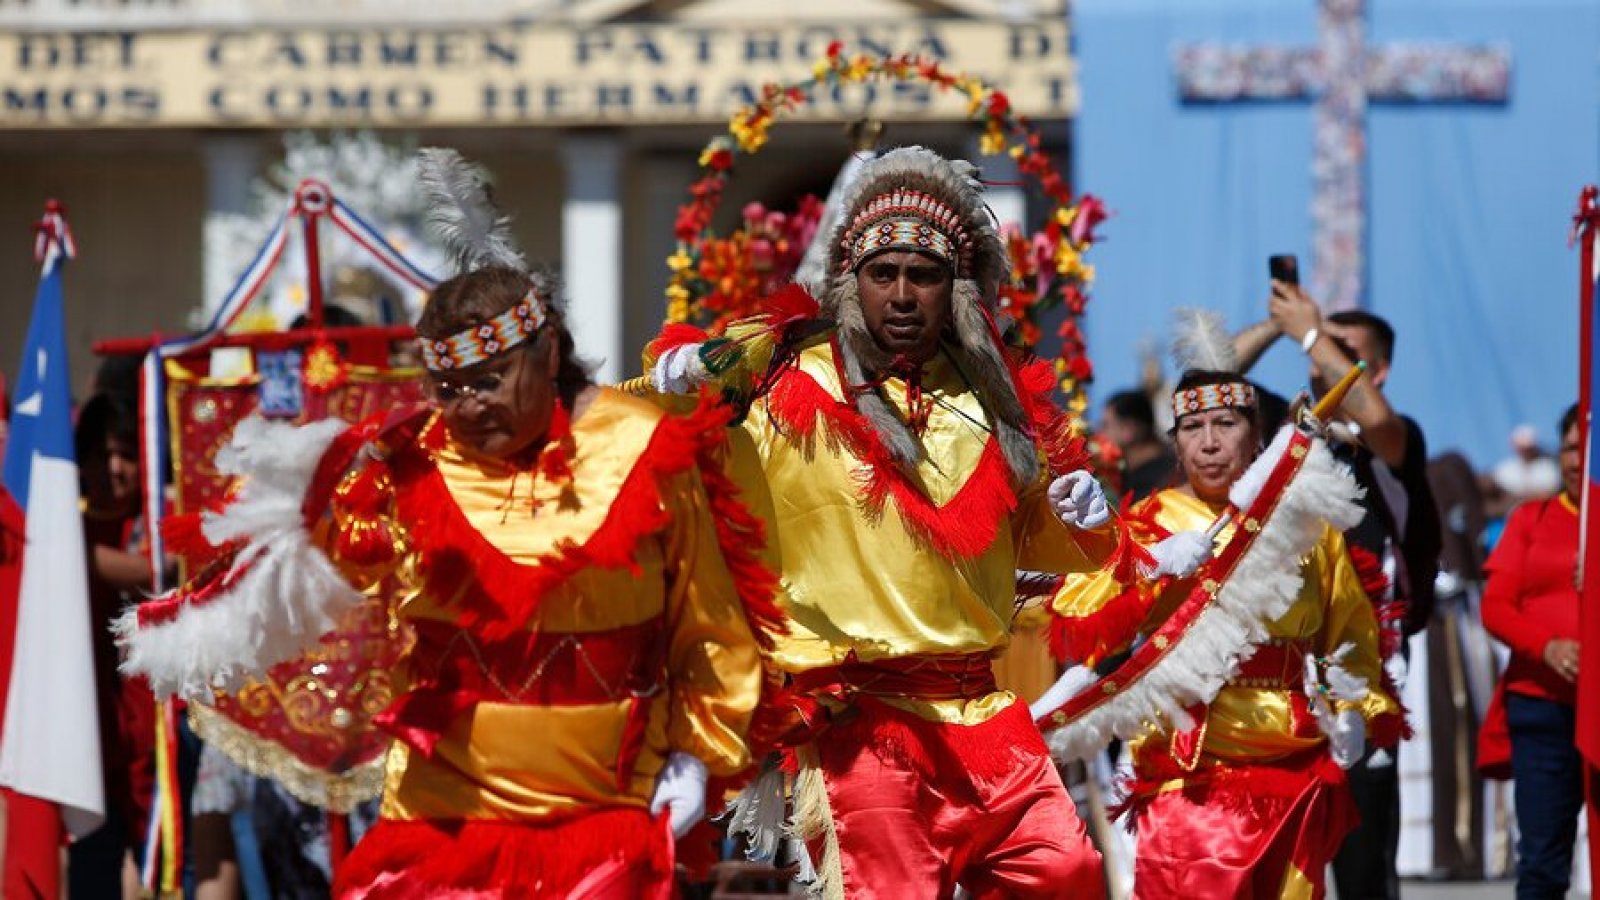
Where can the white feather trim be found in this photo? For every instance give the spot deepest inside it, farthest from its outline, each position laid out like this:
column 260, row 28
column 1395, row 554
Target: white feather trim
column 1263, row 586
column 288, row 594
column 759, row 813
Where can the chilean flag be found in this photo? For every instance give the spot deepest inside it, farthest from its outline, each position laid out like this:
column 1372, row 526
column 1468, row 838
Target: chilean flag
column 1588, row 713
column 50, row 736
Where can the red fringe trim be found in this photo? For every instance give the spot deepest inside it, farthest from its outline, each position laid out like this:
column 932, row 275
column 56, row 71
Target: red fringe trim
column 1035, row 382
column 405, row 859
column 1390, row 729
column 1089, row 639
column 506, row 594
column 963, row 528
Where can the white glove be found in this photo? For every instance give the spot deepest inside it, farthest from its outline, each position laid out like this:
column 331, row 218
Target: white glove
column 1071, row 683
column 1349, row 738
column 1180, row 554
column 1079, row 500
column 679, row 371
column 681, row 790
column 1346, row 729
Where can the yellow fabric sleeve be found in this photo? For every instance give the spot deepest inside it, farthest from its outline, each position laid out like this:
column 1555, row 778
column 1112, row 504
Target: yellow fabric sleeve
column 713, row 662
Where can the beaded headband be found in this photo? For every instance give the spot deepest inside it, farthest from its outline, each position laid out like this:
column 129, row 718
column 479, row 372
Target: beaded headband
column 904, row 219
column 479, row 343
column 1206, row 397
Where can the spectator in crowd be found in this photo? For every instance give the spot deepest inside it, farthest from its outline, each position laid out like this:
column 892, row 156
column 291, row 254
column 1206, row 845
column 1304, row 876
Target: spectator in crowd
column 1148, row 465
column 1389, row 456
column 1531, row 603
column 105, row 862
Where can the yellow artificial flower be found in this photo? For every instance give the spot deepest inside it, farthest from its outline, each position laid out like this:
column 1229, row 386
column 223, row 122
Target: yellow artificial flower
column 677, row 293
column 860, row 68
column 680, row 260
column 993, row 142
column 820, row 70
column 1065, row 215
column 678, row 311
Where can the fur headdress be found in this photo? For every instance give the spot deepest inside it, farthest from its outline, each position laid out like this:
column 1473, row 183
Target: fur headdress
column 913, row 198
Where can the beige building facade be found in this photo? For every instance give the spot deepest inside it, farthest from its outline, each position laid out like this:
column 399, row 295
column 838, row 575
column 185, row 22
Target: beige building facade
column 145, row 118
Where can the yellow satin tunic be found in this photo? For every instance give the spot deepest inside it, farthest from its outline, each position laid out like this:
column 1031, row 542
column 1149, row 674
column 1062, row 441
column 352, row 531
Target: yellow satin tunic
column 505, row 760
column 1253, row 724
column 863, row 584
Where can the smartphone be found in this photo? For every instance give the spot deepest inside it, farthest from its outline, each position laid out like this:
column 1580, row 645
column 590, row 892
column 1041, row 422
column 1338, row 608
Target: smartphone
column 1284, row 267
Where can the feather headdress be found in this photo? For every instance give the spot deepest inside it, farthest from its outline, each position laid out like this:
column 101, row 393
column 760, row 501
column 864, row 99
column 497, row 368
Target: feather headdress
column 1204, row 352
column 462, row 214
column 1201, row 341
column 950, row 194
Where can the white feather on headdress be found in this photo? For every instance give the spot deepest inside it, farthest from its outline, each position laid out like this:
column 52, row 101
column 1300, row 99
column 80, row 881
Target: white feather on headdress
column 461, row 215
column 1201, row 341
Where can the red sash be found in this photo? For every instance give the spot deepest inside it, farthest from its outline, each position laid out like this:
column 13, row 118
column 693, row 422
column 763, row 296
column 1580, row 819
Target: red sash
column 954, row 676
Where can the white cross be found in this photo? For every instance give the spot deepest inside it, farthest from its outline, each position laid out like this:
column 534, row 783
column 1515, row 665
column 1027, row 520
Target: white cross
column 1343, row 75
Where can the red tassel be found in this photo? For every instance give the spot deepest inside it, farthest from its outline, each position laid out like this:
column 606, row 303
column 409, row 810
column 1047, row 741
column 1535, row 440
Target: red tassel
column 1091, row 638
column 673, row 335
column 183, row 535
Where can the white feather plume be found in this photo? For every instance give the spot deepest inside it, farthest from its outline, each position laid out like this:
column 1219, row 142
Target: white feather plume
column 461, row 214
column 1201, row 341
column 284, row 592
column 759, row 813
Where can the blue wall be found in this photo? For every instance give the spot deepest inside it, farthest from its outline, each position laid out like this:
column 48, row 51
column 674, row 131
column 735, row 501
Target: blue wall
column 1468, row 206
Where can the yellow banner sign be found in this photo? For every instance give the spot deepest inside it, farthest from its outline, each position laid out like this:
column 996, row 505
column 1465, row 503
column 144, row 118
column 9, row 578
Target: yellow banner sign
column 512, row 75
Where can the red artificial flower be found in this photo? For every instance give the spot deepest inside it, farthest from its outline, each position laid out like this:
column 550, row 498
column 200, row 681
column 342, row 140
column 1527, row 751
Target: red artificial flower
column 999, row 104
column 720, row 161
column 1080, row 369
column 1091, row 212
column 835, row 48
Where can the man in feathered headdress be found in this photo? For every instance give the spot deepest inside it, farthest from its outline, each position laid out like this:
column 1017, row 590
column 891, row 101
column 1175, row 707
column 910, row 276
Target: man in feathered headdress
column 908, row 452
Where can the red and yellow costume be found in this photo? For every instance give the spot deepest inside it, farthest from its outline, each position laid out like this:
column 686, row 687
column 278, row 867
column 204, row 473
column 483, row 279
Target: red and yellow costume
column 1248, row 802
column 899, row 591
column 571, row 625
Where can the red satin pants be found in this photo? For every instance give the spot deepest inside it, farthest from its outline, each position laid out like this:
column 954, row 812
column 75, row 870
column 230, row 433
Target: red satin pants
column 920, row 807
column 1250, row 832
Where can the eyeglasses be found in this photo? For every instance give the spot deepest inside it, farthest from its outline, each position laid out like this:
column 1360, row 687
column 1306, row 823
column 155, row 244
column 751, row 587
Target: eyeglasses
column 480, row 388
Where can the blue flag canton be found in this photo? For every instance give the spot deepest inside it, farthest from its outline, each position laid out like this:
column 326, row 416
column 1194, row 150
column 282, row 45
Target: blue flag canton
column 41, row 416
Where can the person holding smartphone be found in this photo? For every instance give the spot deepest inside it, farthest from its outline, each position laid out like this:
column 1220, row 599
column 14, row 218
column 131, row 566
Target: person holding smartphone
column 1388, row 453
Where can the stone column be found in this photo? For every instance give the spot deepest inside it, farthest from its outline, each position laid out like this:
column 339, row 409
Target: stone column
column 591, row 249
column 231, row 162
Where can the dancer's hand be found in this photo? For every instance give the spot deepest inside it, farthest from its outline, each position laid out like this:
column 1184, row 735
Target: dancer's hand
column 1348, row 739
column 681, row 791
column 1181, row 554
column 1079, row 501
column 679, row 371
